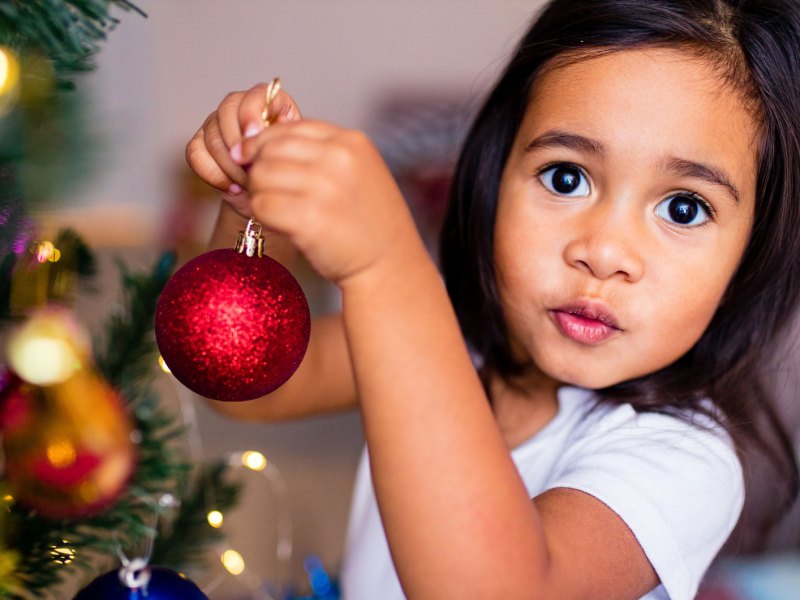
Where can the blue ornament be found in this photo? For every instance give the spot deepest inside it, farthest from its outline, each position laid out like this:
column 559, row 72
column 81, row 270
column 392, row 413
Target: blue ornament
column 149, row 583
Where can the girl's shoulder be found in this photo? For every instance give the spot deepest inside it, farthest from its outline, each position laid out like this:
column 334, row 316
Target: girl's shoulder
column 582, row 418
column 675, row 480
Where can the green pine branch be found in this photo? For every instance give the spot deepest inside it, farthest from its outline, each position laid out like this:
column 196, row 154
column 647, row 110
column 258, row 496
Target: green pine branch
column 67, row 32
column 184, row 542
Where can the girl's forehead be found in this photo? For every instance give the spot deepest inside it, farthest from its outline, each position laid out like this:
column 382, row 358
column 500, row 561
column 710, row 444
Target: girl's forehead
column 646, row 78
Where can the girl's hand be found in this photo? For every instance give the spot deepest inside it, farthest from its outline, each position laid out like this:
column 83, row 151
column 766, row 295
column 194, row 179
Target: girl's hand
column 208, row 152
column 331, row 193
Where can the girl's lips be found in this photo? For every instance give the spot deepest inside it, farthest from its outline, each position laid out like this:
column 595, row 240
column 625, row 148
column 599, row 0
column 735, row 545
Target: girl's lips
column 585, row 323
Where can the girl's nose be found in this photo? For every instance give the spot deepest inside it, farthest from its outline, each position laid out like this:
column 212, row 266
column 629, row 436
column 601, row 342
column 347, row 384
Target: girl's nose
column 605, row 248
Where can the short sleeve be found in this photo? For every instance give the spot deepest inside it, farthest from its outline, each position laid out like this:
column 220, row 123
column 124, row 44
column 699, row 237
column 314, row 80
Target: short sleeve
column 678, row 486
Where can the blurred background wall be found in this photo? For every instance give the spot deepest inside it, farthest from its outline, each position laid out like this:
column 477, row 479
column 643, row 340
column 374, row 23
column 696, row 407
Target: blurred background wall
column 158, row 78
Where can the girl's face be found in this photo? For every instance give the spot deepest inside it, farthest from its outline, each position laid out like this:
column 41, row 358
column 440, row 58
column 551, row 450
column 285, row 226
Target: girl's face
column 624, row 209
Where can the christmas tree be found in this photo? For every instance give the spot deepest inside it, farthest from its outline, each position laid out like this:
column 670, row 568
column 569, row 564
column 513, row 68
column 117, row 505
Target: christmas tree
column 94, row 467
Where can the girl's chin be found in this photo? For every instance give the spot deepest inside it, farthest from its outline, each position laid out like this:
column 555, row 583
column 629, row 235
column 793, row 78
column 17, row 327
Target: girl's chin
column 586, row 377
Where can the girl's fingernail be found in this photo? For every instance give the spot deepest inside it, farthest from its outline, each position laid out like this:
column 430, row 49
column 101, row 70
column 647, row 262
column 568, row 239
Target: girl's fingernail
column 290, row 113
column 236, row 152
column 252, row 130
column 235, row 189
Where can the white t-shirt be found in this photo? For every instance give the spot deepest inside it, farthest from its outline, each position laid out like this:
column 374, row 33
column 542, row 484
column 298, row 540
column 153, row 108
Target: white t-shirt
column 678, row 487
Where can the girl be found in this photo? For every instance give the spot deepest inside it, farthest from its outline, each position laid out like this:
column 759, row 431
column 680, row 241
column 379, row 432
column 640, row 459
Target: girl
column 621, row 248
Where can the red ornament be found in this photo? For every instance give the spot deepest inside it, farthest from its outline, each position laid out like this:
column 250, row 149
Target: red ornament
column 233, row 324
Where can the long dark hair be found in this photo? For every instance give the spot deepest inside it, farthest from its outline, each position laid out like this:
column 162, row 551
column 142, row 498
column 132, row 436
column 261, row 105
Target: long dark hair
column 755, row 45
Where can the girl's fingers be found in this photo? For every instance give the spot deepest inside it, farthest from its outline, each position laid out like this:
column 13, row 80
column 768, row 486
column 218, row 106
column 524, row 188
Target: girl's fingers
column 290, row 135
column 280, row 174
column 205, row 165
column 228, row 118
column 251, row 108
column 219, row 151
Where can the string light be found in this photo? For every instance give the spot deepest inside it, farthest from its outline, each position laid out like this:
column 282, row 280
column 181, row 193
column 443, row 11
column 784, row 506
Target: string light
column 254, row 460
column 45, row 252
column 233, row 562
column 62, row 555
column 215, row 519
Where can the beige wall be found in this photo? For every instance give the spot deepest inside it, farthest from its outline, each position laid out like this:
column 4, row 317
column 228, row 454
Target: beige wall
column 159, row 77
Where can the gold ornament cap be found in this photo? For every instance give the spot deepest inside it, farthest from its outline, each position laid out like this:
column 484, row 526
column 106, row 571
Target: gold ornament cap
column 250, row 241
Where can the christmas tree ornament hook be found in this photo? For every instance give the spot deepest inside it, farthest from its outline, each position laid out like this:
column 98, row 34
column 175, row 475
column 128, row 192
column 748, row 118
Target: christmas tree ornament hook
column 273, row 87
column 250, row 241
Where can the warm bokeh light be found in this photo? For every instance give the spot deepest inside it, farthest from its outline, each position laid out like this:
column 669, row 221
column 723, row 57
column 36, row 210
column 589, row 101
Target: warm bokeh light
column 42, row 360
column 215, row 519
column 3, row 68
column 46, row 251
column 254, row 460
column 233, row 562
column 9, row 70
column 61, row 453
column 162, row 363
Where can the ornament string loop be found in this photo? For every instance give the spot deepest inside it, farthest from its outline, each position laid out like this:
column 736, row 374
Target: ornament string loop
column 135, row 573
column 273, row 87
column 250, row 241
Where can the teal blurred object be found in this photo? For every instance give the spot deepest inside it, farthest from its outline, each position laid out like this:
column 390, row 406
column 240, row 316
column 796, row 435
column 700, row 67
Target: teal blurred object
column 770, row 577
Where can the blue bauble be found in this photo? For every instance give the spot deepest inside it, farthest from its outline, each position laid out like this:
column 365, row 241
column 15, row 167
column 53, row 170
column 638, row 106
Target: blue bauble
column 164, row 584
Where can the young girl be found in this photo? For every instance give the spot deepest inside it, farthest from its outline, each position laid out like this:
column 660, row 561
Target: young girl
column 566, row 419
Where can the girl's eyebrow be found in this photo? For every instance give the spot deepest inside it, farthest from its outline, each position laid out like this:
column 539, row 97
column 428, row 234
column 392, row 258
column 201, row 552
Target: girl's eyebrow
column 694, row 170
column 555, row 138
column 681, row 167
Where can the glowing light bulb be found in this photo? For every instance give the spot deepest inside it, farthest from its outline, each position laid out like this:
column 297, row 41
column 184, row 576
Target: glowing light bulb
column 162, row 363
column 215, row 519
column 254, row 460
column 233, row 562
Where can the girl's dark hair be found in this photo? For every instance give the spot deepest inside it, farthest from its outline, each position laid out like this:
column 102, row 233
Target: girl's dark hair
column 755, row 46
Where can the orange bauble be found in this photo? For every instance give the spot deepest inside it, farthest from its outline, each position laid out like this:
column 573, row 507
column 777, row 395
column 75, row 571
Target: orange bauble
column 68, row 448
column 66, row 435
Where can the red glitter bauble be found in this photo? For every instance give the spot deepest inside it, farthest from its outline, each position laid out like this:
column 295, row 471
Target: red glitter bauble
column 232, row 327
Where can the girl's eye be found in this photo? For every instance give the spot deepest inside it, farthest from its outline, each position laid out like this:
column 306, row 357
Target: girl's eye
column 685, row 210
column 565, row 180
